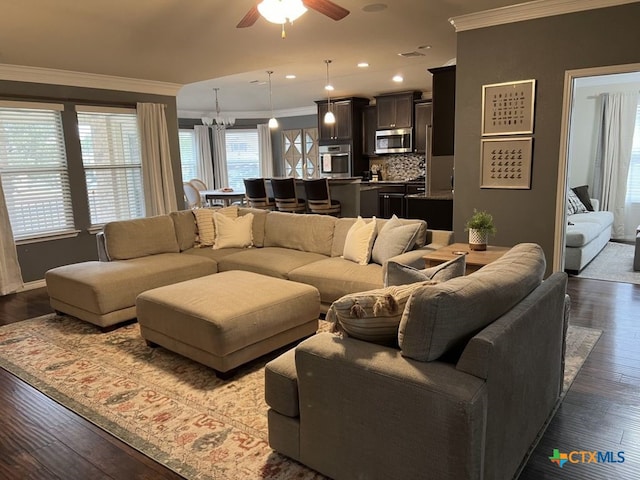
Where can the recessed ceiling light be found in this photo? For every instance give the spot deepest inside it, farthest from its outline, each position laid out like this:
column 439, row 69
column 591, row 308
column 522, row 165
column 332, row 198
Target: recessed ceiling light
column 363, row 65
column 374, row 7
column 398, row 78
column 290, row 76
column 425, row 47
column 329, row 87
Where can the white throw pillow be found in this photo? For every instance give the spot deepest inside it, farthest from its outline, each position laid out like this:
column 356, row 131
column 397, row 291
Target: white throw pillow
column 206, row 227
column 233, row 232
column 393, row 239
column 359, row 241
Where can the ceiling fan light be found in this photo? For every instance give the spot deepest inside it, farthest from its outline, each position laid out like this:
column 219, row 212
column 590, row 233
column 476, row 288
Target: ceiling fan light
column 281, row 11
column 329, row 118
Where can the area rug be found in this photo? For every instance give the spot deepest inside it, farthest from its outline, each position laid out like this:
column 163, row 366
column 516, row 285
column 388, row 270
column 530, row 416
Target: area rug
column 171, row 409
column 614, row 263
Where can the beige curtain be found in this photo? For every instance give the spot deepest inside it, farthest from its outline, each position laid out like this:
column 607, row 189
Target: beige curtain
column 203, row 154
column 614, row 155
column 265, row 150
column 220, row 157
column 10, row 274
column 157, row 172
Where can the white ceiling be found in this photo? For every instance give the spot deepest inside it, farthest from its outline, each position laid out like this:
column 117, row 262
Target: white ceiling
column 195, row 43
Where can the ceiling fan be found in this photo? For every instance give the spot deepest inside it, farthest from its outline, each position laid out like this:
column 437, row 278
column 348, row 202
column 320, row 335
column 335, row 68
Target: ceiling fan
column 326, row 7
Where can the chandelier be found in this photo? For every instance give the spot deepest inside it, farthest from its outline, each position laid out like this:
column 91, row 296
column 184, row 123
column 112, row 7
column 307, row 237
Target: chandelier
column 218, row 120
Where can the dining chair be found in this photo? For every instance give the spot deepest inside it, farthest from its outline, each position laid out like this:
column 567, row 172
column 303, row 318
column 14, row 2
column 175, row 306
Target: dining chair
column 319, row 197
column 192, row 195
column 201, row 186
column 284, row 191
column 256, row 194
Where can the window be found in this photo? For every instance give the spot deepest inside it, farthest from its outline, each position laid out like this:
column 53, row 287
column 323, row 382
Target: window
column 242, row 156
column 188, row 161
column 633, row 180
column 33, row 164
column 112, row 163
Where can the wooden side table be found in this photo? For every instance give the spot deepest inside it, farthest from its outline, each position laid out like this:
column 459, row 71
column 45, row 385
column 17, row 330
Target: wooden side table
column 475, row 259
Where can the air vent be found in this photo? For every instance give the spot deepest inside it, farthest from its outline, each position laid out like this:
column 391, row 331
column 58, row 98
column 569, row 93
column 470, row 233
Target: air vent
column 411, row 54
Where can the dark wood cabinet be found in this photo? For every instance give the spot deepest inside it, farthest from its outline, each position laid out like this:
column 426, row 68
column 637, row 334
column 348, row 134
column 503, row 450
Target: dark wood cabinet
column 444, row 106
column 422, row 121
column 348, row 124
column 395, row 110
column 369, row 130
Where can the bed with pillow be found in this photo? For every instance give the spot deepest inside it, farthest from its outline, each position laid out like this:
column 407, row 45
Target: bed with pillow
column 588, row 229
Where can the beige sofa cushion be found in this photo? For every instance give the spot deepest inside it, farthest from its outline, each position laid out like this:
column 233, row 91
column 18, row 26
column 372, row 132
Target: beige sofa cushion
column 359, row 241
column 206, row 225
column 184, row 223
column 271, row 261
column 441, row 317
column 233, row 232
column 140, row 237
column 335, row 277
column 103, row 287
column 344, row 224
column 259, row 221
column 306, row 233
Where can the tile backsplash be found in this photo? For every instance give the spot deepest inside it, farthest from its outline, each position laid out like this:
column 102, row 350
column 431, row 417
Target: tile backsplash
column 399, row 167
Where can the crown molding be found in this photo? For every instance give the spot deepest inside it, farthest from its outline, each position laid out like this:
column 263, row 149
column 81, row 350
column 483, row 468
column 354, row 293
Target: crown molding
column 528, row 11
column 21, row 73
column 285, row 112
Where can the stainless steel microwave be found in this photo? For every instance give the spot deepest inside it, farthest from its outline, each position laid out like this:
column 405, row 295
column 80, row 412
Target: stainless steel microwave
column 398, row 140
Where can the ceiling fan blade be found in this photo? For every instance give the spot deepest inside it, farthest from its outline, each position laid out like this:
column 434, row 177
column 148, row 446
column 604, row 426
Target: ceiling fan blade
column 250, row 18
column 328, row 8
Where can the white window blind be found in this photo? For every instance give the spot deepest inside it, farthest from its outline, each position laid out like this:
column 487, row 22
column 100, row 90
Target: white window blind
column 112, row 163
column 33, row 165
column 633, row 180
column 243, row 160
column 188, row 161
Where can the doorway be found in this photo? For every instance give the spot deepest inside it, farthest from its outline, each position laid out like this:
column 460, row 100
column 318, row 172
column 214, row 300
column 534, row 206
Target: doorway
column 577, row 148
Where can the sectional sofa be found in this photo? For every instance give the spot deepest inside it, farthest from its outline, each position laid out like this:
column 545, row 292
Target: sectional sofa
column 476, row 372
column 142, row 254
column 587, row 234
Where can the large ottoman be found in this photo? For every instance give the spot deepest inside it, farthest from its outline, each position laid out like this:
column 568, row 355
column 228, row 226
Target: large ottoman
column 227, row 319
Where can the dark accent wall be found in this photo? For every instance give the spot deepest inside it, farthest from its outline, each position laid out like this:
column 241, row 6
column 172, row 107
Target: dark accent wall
column 541, row 49
column 38, row 257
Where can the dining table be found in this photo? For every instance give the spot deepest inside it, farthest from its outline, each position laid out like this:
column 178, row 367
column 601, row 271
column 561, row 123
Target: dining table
column 227, row 197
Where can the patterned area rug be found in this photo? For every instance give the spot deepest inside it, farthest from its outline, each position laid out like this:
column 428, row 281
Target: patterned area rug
column 171, row 409
column 614, row 263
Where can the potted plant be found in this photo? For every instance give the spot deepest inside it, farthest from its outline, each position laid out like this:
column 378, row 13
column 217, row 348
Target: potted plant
column 479, row 226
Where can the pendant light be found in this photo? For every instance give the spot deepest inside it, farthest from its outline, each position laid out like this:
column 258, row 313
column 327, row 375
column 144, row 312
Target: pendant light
column 273, row 123
column 329, row 117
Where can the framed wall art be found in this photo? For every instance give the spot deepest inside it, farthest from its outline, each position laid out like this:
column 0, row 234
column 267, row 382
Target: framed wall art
column 506, row 163
column 507, row 108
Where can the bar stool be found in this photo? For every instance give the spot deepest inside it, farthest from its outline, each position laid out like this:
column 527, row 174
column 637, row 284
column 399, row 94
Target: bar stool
column 284, row 191
column 319, row 197
column 256, row 194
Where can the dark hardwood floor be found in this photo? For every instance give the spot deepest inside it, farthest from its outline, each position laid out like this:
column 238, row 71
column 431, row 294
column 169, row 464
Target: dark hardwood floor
column 39, row 439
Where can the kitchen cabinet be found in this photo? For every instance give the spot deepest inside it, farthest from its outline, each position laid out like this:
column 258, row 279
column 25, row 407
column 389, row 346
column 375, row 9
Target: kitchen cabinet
column 348, row 124
column 443, row 114
column 395, row 110
column 422, row 121
column 369, row 130
column 369, row 202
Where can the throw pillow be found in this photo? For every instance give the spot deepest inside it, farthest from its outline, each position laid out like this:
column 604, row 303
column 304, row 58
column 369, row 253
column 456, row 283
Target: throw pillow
column 399, row 274
column 393, row 239
column 233, row 232
column 574, row 205
column 206, row 228
column 359, row 241
column 582, row 193
column 372, row 316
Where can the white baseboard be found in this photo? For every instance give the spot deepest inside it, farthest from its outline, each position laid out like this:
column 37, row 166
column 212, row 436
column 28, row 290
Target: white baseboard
column 33, row 285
